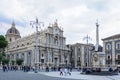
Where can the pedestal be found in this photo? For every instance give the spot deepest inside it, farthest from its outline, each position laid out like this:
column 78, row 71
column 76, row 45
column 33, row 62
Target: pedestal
column 99, row 60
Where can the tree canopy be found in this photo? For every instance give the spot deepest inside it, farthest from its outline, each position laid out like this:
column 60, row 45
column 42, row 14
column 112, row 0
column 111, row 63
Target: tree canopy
column 3, row 42
column 19, row 61
column 1, row 56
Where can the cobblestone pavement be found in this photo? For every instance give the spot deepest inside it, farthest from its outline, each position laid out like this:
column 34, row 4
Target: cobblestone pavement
column 20, row 75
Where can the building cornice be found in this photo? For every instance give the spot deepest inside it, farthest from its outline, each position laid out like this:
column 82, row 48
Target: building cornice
column 112, row 37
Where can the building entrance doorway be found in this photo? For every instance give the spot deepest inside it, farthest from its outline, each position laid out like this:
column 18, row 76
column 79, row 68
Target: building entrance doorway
column 55, row 61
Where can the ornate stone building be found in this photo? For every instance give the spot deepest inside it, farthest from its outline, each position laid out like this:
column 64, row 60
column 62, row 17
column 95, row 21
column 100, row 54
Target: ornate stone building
column 111, row 47
column 81, row 55
column 51, row 45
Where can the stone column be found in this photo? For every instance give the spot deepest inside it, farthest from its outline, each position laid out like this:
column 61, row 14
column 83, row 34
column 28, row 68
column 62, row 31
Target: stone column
column 10, row 57
column 32, row 57
column 63, row 57
column 14, row 56
column 58, row 61
column 82, row 57
column 48, row 56
column 75, row 57
column 104, row 52
column 113, row 53
column 40, row 55
column 25, row 58
column 68, row 58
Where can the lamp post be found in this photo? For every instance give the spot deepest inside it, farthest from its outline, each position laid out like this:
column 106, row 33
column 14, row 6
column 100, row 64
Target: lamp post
column 87, row 38
column 36, row 54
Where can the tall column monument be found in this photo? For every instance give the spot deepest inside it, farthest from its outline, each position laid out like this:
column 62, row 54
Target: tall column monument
column 98, row 55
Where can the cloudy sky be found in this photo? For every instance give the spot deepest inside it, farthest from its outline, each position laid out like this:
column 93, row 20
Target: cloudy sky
column 76, row 17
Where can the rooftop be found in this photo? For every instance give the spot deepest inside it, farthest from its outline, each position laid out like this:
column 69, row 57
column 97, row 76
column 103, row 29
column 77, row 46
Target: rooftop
column 112, row 37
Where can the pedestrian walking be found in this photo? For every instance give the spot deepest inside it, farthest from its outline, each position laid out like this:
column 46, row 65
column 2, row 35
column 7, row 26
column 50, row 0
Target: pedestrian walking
column 68, row 72
column 65, row 72
column 61, row 71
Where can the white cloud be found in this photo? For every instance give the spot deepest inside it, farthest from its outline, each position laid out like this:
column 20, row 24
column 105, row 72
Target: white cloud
column 77, row 17
column 76, row 11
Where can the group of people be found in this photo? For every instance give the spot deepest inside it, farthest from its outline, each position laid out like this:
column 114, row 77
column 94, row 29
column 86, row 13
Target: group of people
column 56, row 68
column 7, row 68
column 64, row 71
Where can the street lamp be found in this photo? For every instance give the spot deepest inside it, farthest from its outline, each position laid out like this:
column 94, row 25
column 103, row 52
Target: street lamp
column 36, row 54
column 87, row 38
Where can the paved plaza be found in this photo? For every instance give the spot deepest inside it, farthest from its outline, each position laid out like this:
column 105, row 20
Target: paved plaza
column 20, row 75
column 77, row 75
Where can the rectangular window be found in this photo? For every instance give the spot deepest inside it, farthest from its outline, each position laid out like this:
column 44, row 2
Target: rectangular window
column 118, row 62
column 117, row 46
column 118, row 57
column 79, row 58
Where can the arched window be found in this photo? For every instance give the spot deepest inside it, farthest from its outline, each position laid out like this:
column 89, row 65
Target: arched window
column 79, row 49
column 56, row 40
column 27, row 43
column 17, row 45
column 10, row 39
column 108, row 46
column 42, row 55
column 10, row 30
column 78, row 58
column 15, row 31
column 22, row 45
column 118, row 45
column 108, row 57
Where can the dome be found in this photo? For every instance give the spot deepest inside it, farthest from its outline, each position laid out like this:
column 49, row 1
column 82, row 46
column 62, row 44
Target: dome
column 13, row 30
column 12, row 33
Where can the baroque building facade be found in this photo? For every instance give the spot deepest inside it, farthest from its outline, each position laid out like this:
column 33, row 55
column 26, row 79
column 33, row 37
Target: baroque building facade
column 81, row 55
column 111, row 47
column 52, row 48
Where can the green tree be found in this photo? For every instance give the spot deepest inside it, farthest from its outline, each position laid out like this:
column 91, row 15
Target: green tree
column 19, row 61
column 13, row 62
column 5, row 61
column 1, row 56
column 3, row 43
